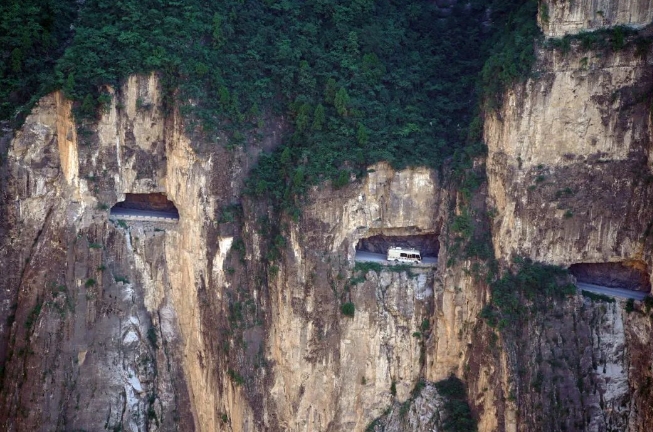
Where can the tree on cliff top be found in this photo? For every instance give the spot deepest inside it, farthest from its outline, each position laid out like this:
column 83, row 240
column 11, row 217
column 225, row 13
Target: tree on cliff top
column 360, row 81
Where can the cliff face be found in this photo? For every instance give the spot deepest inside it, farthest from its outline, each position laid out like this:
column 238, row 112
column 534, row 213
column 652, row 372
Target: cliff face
column 567, row 369
column 82, row 342
column 558, row 18
column 101, row 318
column 182, row 325
column 569, row 164
column 569, row 174
column 230, row 319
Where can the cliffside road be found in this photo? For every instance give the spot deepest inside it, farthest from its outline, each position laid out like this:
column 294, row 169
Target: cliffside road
column 612, row 292
column 142, row 215
column 362, row 256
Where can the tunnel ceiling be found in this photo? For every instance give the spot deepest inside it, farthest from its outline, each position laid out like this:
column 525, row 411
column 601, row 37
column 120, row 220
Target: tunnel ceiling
column 158, row 202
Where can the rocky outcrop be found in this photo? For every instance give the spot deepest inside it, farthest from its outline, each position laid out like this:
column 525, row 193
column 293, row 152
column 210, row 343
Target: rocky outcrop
column 83, row 341
column 563, row 365
column 204, row 323
column 232, row 319
column 638, row 331
column 569, row 183
column 558, row 17
column 387, row 202
column 331, row 371
column 569, row 163
column 421, row 414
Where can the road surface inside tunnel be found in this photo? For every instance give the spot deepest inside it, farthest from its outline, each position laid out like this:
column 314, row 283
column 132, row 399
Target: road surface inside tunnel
column 362, row 256
column 612, row 292
column 142, row 215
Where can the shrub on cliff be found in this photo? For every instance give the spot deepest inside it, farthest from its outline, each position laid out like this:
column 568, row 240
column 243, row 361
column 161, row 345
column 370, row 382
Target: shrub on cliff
column 513, row 52
column 529, row 288
column 457, row 413
column 348, row 309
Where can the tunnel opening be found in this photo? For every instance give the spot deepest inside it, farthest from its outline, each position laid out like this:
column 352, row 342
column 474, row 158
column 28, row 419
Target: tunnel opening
column 632, row 275
column 145, row 206
column 427, row 244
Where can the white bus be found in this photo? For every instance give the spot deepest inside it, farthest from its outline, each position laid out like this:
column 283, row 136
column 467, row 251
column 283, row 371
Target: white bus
column 398, row 254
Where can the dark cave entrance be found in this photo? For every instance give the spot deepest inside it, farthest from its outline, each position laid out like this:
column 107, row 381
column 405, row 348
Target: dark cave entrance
column 632, row 275
column 427, row 244
column 145, row 205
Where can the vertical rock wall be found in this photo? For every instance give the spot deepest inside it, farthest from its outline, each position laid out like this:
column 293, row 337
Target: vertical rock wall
column 94, row 325
column 559, row 17
column 135, row 325
column 198, row 325
column 569, row 174
column 569, row 160
column 335, row 372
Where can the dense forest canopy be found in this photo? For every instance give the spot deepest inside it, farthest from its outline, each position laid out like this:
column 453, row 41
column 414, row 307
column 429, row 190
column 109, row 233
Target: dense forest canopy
column 358, row 81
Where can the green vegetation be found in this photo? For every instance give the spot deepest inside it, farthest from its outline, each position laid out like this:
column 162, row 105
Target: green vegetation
column 122, row 279
column 151, row 411
column 361, row 268
column 33, row 36
column 90, row 282
column 544, row 13
column 242, row 310
column 469, row 232
column 236, row 313
column 458, row 415
column 529, row 289
column 229, row 213
column 33, row 315
column 236, row 378
column 648, row 303
column 630, row 305
column 122, row 224
column 361, row 95
column 348, row 309
column 357, row 81
column 597, row 297
column 152, row 337
column 566, row 192
column 512, row 54
column 372, row 426
column 614, row 39
column 61, row 301
column 462, row 224
column 366, row 266
column 470, row 239
column 238, row 247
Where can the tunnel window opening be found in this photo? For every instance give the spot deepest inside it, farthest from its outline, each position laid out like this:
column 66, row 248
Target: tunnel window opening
column 411, row 249
column 153, row 206
column 427, row 244
column 633, row 275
